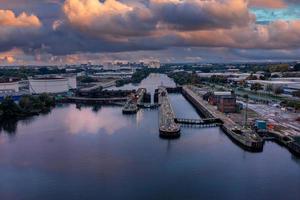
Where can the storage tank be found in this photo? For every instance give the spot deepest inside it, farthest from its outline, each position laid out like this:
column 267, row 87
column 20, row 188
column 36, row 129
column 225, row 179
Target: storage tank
column 48, row 85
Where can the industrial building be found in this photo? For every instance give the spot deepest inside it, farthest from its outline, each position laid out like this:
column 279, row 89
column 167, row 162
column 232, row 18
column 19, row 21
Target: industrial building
column 52, row 84
column 225, row 101
column 288, row 85
column 9, row 87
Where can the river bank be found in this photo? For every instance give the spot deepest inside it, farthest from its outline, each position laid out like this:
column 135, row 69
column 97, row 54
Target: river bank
column 82, row 153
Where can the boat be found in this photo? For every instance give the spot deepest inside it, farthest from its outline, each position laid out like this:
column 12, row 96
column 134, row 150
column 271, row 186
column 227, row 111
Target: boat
column 130, row 109
column 248, row 139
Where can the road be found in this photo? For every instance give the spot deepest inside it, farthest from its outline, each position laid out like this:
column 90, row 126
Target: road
column 280, row 117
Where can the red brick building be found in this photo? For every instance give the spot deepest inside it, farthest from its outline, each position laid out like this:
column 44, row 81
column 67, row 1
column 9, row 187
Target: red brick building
column 225, row 101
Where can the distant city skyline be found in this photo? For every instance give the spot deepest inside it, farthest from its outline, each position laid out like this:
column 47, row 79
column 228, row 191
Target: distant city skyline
column 55, row 32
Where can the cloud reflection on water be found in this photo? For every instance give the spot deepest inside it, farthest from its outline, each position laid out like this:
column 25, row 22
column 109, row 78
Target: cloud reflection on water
column 87, row 121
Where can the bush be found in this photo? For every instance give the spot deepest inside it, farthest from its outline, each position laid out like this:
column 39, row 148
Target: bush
column 9, row 108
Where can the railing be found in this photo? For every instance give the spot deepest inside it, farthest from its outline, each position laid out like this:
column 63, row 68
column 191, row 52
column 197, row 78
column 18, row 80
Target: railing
column 198, row 121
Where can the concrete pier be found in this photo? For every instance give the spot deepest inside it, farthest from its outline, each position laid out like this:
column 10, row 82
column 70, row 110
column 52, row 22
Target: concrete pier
column 167, row 126
column 245, row 138
column 135, row 102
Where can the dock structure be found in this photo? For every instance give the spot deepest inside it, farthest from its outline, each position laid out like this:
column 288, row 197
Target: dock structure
column 99, row 85
column 289, row 142
column 203, row 123
column 244, row 137
column 85, row 100
column 134, row 102
column 168, row 128
column 140, row 96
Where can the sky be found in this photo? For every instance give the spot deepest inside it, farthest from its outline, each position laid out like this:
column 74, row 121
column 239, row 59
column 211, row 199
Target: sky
column 39, row 32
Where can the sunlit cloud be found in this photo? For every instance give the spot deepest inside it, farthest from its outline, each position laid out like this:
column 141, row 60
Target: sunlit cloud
column 268, row 3
column 73, row 31
column 9, row 19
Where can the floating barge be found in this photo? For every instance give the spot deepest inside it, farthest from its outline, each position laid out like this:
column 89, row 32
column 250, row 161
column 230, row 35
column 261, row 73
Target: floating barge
column 246, row 138
column 130, row 108
column 134, row 102
column 167, row 126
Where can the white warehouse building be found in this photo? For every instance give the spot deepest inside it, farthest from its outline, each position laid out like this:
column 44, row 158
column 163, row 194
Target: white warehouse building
column 9, row 87
column 52, row 85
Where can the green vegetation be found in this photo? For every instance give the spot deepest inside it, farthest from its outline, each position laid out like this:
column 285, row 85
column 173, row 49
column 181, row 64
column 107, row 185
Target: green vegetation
column 27, row 106
column 296, row 93
column 291, row 103
column 18, row 73
column 141, row 74
column 86, row 79
column 256, row 87
column 23, row 72
column 297, row 67
column 184, row 78
column 279, row 68
column 121, row 82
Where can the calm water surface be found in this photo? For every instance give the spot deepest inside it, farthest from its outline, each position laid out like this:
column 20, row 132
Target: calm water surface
column 84, row 154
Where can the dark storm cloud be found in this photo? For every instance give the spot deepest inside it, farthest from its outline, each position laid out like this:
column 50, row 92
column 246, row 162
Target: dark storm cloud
column 92, row 26
column 197, row 15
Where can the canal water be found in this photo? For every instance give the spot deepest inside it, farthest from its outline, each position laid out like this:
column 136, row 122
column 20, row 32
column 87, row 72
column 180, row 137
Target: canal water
column 88, row 154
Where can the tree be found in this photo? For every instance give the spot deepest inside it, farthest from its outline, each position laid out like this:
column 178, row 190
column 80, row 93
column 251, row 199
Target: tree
column 296, row 93
column 297, row 67
column 278, row 90
column 256, row 87
column 269, row 88
column 9, row 108
column 279, row 68
column 275, row 76
column 252, row 77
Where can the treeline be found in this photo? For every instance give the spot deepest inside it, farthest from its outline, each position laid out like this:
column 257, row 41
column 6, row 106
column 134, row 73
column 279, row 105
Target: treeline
column 23, row 73
column 27, row 106
column 185, row 78
column 141, row 74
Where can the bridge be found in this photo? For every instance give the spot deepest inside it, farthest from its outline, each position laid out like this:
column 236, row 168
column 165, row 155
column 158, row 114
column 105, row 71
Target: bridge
column 98, row 86
column 148, row 105
column 208, row 122
column 96, row 100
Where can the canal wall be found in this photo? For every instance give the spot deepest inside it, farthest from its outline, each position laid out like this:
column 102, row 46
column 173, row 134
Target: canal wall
column 193, row 99
column 244, row 138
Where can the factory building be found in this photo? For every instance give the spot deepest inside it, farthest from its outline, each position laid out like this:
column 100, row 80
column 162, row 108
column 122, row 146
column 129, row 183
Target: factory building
column 6, row 87
column 289, row 85
column 11, row 88
column 225, row 101
column 53, row 85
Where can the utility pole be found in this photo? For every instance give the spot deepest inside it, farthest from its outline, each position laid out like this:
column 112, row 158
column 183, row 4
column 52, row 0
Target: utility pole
column 246, row 111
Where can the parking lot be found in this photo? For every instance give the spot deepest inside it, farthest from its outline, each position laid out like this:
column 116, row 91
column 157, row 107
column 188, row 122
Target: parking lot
column 280, row 117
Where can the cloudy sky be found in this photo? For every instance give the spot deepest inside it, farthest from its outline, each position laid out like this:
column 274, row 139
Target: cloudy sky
column 77, row 31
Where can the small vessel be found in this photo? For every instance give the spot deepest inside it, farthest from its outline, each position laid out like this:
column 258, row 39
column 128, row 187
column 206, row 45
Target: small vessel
column 130, row 109
column 246, row 138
